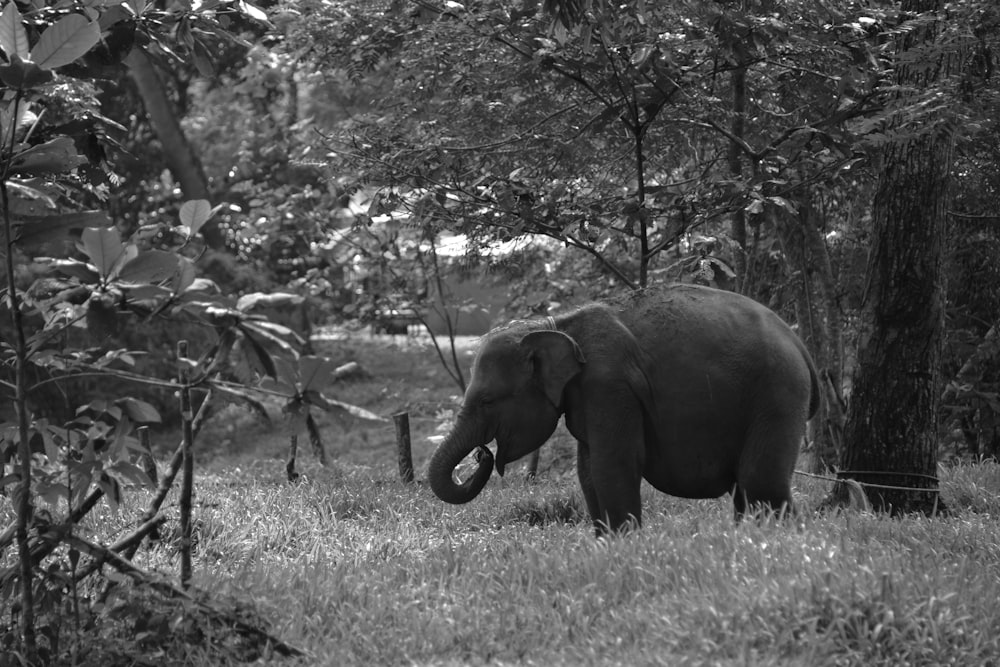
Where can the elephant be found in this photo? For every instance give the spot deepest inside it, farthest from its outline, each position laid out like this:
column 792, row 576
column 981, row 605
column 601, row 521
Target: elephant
column 699, row 391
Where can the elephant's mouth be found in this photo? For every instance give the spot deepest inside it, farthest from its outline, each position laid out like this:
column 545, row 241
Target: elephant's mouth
column 500, row 464
column 508, row 451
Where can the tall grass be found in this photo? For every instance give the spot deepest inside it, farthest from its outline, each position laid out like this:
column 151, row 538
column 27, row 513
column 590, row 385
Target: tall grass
column 359, row 569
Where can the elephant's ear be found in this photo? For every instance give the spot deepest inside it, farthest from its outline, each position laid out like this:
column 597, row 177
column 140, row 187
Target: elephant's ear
column 558, row 358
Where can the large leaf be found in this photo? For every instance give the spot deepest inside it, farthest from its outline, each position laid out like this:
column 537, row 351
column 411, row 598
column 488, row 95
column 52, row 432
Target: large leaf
column 139, row 411
column 104, row 247
column 13, row 37
column 23, row 75
column 276, row 333
column 26, row 200
column 40, row 228
column 286, row 371
column 340, row 408
column 194, row 214
column 250, row 396
column 71, row 267
column 184, row 276
column 315, row 373
column 152, row 266
column 64, row 41
column 252, row 11
column 129, row 474
column 249, row 302
column 258, row 356
column 53, row 157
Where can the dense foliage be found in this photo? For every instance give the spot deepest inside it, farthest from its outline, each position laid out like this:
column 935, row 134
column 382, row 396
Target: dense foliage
column 174, row 170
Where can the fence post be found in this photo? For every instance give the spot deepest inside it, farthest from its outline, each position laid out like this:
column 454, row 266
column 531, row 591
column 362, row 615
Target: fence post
column 402, row 422
column 187, row 472
column 146, row 458
column 293, row 447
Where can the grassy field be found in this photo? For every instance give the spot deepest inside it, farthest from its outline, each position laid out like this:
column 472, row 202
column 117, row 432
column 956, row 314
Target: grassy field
column 358, row 569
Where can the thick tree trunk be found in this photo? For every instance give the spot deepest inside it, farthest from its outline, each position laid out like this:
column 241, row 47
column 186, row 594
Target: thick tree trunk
column 890, row 438
column 177, row 152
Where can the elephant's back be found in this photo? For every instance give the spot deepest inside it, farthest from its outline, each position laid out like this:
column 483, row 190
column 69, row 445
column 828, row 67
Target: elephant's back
column 715, row 317
column 727, row 347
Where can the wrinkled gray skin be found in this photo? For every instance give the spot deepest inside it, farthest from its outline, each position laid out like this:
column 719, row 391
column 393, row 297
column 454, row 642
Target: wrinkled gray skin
column 699, row 391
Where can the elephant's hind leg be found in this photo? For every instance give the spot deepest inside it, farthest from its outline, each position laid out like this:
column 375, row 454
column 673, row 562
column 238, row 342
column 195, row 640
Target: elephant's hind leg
column 744, row 504
column 764, row 476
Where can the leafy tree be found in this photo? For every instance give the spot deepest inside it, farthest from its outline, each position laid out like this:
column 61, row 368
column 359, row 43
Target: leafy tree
column 891, row 431
column 676, row 140
column 56, row 470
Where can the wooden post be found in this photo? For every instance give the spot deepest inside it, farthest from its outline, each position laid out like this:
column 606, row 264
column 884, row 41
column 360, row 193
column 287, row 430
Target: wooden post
column 146, row 458
column 293, row 446
column 187, row 472
column 402, row 422
column 314, row 437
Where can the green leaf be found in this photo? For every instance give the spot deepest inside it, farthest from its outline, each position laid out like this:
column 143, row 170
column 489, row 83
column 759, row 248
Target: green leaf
column 316, row 372
column 104, row 247
column 129, row 473
column 340, row 408
column 139, row 411
column 66, row 40
column 249, row 302
column 194, row 214
column 184, row 277
column 272, row 331
column 153, row 266
column 52, row 450
column 13, row 37
column 258, row 356
column 39, row 228
column 140, row 293
column 53, row 157
column 51, row 492
column 203, row 60
column 278, row 387
column 137, row 6
column 285, row 371
column 252, row 11
column 23, row 75
column 72, row 267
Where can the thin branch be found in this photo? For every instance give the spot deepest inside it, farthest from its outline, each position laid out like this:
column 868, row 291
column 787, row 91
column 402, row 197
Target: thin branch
column 171, row 472
column 512, row 139
column 103, row 555
column 98, row 372
column 799, row 68
column 971, row 216
column 130, row 541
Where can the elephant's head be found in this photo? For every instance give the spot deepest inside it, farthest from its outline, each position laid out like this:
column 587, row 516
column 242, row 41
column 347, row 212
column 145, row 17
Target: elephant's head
column 515, row 398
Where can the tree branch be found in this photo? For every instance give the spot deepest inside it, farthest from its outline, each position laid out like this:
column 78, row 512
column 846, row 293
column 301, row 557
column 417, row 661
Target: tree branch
column 101, row 555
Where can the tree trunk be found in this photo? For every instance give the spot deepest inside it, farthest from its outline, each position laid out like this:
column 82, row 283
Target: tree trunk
column 177, row 152
column 819, row 321
column 890, row 438
column 738, row 222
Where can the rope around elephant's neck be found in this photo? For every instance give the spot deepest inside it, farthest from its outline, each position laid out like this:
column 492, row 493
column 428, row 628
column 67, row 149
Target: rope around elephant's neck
column 551, row 322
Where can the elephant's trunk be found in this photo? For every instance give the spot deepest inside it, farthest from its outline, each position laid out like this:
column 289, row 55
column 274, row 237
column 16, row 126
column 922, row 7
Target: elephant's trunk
column 458, row 444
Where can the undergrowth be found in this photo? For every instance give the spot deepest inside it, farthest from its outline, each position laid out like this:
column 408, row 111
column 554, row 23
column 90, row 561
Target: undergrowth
column 357, row 568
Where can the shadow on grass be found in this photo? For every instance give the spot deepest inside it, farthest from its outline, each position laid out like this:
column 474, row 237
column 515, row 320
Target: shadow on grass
column 545, row 511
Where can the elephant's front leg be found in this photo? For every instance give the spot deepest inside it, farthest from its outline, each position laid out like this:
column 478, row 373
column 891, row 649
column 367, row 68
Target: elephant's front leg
column 610, row 477
column 587, row 484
